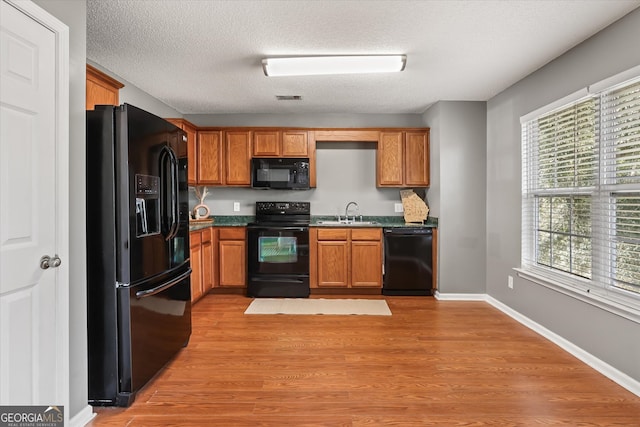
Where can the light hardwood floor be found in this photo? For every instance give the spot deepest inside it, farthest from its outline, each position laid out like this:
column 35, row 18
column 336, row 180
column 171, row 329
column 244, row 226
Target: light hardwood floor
column 431, row 363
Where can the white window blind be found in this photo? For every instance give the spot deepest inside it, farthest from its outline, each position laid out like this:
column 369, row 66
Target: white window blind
column 581, row 193
column 620, row 206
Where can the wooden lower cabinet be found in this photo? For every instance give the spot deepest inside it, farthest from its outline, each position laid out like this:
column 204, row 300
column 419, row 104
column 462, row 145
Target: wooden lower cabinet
column 202, row 252
column 208, row 256
column 195, row 246
column 346, row 257
column 333, row 263
column 366, row 264
column 232, row 257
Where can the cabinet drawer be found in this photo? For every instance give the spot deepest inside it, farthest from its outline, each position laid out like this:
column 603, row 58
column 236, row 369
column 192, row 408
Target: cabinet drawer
column 333, row 234
column 366, row 234
column 231, row 233
column 207, row 235
column 195, row 238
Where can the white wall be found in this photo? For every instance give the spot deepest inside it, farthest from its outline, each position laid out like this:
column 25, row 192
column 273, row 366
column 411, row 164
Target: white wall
column 609, row 337
column 457, row 196
column 73, row 13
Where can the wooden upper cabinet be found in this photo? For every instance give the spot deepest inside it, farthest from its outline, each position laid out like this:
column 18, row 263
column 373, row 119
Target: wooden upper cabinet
column 416, row 159
column 403, row 159
column 192, row 149
column 355, row 135
column 267, row 143
column 276, row 143
column 210, row 166
column 237, row 163
column 101, row 89
column 295, row 143
column 390, row 155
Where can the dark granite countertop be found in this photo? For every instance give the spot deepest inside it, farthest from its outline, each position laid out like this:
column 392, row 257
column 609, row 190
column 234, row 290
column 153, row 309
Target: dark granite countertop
column 223, row 221
column 316, row 221
column 374, row 221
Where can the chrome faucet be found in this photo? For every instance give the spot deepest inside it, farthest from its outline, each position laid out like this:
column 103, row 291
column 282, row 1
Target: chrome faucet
column 346, row 210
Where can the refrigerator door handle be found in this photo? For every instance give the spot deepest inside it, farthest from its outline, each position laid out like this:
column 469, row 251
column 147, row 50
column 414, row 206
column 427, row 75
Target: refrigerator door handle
column 157, row 289
column 174, row 193
column 170, row 194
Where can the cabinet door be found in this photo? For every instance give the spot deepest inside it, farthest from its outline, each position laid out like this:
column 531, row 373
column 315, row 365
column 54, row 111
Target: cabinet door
column 366, row 263
column 210, row 158
column 207, row 260
column 266, row 144
column 295, row 144
column 416, row 162
column 101, row 89
column 192, row 154
column 192, row 151
column 238, row 158
column 333, row 263
column 195, row 238
column 232, row 256
column 389, row 159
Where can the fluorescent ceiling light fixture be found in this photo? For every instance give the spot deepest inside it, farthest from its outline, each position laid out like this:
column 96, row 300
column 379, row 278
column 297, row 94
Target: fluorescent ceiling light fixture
column 316, row 65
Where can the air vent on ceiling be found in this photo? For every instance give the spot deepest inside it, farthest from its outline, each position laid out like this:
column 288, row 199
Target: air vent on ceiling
column 289, row 97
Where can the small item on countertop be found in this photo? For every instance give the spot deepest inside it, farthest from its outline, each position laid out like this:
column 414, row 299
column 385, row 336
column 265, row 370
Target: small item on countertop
column 201, row 211
column 415, row 209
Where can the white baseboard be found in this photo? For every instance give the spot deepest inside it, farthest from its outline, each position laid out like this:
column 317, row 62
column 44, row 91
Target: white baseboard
column 460, row 297
column 604, row 368
column 83, row 417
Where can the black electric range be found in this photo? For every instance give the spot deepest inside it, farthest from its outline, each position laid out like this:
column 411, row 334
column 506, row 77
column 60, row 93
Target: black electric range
column 278, row 250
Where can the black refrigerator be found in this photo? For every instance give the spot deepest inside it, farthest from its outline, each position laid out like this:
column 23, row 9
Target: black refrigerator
column 138, row 272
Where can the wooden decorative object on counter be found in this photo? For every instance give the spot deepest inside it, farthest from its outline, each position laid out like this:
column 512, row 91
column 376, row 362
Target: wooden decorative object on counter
column 201, row 210
column 415, row 209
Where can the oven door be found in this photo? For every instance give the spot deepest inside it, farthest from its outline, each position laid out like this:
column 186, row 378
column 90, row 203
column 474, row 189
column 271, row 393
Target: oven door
column 278, row 250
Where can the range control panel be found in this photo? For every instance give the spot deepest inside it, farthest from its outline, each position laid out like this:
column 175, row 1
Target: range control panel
column 283, row 208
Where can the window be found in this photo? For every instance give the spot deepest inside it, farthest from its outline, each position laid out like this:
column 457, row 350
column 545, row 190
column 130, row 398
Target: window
column 581, row 193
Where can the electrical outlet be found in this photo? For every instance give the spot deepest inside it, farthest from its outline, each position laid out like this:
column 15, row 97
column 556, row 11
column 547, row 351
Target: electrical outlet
column 510, row 282
column 236, row 206
column 398, row 207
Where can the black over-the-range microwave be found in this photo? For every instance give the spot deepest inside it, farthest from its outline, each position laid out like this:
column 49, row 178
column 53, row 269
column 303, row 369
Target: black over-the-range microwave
column 280, row 173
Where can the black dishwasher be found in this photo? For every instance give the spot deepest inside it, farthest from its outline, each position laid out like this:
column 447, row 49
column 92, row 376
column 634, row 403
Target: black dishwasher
column 408, row 261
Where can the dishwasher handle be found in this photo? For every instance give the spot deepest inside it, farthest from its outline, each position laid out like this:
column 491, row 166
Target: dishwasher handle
column 408, row 231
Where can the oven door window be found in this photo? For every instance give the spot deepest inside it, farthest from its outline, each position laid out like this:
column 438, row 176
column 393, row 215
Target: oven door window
column 277, row 250
column 273, row 251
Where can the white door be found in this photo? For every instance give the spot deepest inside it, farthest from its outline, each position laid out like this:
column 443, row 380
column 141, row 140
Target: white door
column 33, row 206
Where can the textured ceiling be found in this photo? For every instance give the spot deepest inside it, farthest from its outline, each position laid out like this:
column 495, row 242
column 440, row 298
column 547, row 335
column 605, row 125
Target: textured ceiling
column 203, row 56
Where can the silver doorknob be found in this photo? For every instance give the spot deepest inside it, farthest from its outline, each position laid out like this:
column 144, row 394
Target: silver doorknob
column 46, row 261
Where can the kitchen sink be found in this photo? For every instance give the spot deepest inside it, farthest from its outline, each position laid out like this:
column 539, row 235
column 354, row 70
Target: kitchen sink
column 348, row 222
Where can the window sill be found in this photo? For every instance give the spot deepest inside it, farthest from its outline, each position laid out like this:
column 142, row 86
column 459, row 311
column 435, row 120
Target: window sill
column 619, row 309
